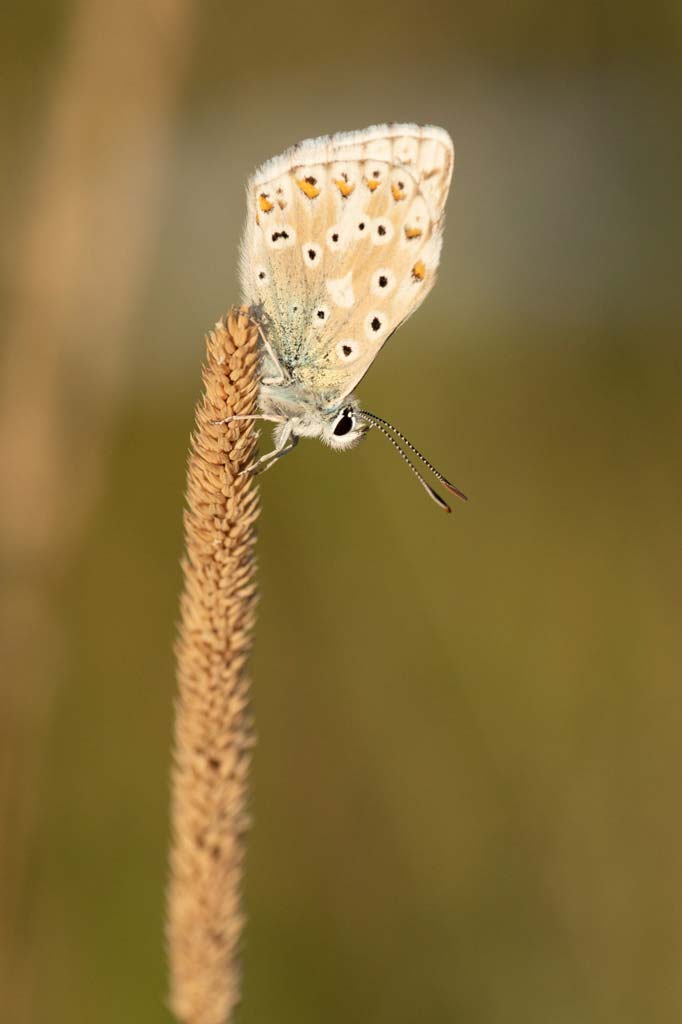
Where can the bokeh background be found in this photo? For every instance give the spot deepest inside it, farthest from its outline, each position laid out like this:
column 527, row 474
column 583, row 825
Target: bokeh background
column 467, row 783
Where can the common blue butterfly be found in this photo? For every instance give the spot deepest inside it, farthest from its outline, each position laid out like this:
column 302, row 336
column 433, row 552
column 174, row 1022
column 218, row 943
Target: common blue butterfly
column 342, row 243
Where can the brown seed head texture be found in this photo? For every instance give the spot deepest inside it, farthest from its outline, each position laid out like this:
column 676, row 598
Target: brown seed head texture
column 213, row 730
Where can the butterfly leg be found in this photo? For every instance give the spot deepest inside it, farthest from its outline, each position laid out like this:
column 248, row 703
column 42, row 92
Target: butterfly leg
column 286, row 444
column 255, row 416
column 273, row 457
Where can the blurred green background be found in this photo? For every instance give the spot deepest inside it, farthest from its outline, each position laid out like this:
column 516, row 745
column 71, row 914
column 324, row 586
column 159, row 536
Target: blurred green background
column 467, row 782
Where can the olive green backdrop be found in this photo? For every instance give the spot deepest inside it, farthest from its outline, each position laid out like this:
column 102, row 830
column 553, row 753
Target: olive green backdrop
column 467, row 780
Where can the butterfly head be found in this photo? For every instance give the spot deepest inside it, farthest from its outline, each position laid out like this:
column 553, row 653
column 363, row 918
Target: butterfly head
column 344, row 428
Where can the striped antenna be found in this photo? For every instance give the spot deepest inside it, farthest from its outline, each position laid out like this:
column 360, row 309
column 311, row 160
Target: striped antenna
column 385, row 427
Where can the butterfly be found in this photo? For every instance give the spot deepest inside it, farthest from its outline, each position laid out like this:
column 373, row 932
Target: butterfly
column 342, row 242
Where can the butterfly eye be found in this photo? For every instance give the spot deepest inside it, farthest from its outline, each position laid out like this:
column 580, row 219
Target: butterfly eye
column 344, row 424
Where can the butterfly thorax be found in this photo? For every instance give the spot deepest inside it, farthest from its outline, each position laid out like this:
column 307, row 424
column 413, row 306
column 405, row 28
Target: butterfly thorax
column 302, row 415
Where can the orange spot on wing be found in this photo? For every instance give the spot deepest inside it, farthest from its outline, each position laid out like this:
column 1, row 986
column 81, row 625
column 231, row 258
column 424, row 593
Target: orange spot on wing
column 413, row 232
column 372, row 184
column 398, row 191
column 419, row 271
column 308, row 187
column 264, row 203
column 344, row 188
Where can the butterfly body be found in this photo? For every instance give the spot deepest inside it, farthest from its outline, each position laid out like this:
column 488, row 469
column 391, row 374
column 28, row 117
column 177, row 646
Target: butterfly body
column 342, row 242
column 299, row 409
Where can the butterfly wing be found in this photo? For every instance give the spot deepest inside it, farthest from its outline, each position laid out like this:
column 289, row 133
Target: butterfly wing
column 342, row 244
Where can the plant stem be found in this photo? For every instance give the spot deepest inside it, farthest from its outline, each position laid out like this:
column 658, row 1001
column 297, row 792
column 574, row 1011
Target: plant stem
column 213, row 726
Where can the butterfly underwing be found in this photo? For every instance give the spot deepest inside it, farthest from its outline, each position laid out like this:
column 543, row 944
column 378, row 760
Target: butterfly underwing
column 342, row 242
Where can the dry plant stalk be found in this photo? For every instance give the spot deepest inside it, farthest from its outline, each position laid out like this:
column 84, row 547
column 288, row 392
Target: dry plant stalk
column 213, row 730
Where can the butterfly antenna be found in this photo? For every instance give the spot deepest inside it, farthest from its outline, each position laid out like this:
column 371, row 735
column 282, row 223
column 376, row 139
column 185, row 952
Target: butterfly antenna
column 376, row 420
